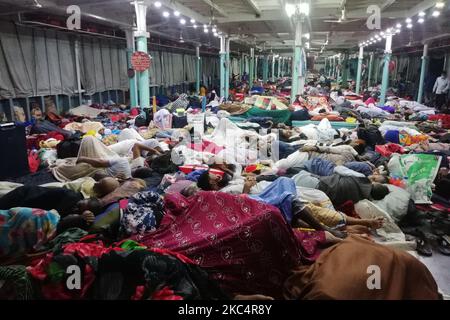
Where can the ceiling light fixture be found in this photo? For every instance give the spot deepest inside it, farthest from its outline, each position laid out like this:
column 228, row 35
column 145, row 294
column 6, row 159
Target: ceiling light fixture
column 214, row 30
column 166, row 14
column 436, row 13
column 439, row 5
column 176, row 13
column 157, row 4
column 421, row 20
column 408, row 20
column 421, row 14
column 398, row 26
column 205, row 30
column 195, row 26
column 192, row 21
column 409, row 25
column 182, row 21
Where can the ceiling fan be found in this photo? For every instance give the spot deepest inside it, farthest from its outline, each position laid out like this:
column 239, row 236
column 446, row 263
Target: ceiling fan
column 343, row 18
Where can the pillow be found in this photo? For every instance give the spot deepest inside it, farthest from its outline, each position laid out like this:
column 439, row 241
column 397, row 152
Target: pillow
column 395, row 203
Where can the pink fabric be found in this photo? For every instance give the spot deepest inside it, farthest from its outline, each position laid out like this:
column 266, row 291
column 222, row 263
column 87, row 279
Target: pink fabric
column 369, row 101
column 206, row 146
column 245, row 245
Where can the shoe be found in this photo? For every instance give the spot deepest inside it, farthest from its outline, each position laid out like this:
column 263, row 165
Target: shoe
column 444, row 245
column 423, row 245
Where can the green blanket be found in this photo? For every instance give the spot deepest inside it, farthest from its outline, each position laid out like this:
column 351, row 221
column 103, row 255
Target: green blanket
column 278, row 116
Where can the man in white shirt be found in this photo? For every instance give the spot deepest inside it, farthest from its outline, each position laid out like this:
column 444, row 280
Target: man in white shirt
column 440, row 88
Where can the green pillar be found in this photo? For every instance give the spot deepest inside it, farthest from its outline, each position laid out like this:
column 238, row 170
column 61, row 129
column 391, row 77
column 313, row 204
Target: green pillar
column 141, row 36
column 345, row 70
column 297, row 65
column 369, row 74
column 251, row 71
column 222, row 54
column 227, row 68
column 273, row 68
column 197, row 70
column 358, row 74
column 144, row 83
column 265, row 69
column 423, row 70
column 385, row 79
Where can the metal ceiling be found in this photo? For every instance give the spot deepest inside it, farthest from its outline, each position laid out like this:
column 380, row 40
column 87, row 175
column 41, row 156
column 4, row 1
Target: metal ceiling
column 258, row 23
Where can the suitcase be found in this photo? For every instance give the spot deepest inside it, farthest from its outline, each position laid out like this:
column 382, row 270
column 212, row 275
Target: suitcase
column 14, row 157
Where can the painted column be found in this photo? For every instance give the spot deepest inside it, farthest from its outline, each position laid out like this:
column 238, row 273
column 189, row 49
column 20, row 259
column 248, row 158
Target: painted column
column 339, row 68
column 387, row 59
column 251, row 71
column 273, row 68
column 141, row 36
column 423, row 70
column 265, row 69
column 77, row 69
column 279, row 67
column 297, row 65
column 358, row 75
column 369, row 74
column 131, row 81
column 335, row 65
column 197, row 69
column 223, row 55
column 228, row 67
column 344, row 81
column 256, row 69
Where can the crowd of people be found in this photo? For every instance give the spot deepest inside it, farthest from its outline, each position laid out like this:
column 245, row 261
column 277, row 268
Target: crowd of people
column 240, row 206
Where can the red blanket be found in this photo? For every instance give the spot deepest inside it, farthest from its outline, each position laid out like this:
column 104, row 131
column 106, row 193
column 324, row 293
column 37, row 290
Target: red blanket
column 245, row 245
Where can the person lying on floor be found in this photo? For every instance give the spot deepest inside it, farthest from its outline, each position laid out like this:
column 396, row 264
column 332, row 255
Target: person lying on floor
column 341, row 188
column 137, row 150
column 322, row 167
column 74, row 210
column 281, row 193
column 335, row 154
column 283, row 187
column 113, row 164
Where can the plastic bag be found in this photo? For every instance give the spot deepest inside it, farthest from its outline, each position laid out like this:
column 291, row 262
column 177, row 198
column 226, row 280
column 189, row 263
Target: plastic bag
column 420, row 171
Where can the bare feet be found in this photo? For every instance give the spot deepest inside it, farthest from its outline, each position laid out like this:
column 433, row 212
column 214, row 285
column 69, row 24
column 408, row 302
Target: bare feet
column 376, row 223
column 331, row 238
column 88, row 216
column 337, row 233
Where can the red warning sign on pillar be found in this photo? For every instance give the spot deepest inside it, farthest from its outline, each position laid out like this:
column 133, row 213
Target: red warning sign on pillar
column 140, row 61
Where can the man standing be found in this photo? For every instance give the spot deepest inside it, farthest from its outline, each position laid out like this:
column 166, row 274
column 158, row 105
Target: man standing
column 440, row 88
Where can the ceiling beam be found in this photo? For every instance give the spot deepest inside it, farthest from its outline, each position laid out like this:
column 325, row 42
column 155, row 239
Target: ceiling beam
column 422, row 6
column 216, row 7
column 254, row 7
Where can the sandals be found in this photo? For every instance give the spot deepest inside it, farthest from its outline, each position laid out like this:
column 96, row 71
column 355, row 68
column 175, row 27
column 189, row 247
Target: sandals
column 423, row 245
column 444, row 245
